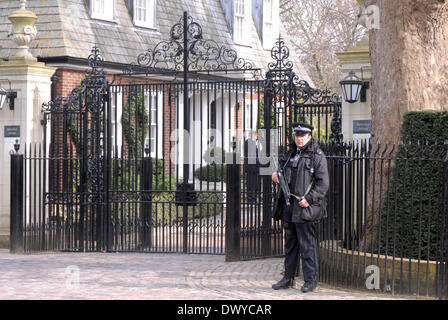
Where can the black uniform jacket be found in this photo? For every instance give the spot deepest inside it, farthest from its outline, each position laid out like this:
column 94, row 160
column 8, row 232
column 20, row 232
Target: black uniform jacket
column 311, row 167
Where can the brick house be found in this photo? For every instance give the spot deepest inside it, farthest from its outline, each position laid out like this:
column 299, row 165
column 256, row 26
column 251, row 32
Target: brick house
column 123, row 29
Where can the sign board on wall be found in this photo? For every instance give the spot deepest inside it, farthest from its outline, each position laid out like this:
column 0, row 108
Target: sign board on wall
column 362, row 126
column 12, row 131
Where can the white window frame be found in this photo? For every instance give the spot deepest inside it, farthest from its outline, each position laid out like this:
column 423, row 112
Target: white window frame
column 241, row 20
column 281, row 113
column 153, row 102
column 102, row 9
column 116, row 126
column 268, row 23
column 250, row 122
column 150, row 15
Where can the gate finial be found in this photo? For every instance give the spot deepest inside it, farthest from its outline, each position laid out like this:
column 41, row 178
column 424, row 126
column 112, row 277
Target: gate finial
column 95, row 62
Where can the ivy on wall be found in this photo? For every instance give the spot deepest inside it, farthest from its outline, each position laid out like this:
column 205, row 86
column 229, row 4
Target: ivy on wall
column 135, row 122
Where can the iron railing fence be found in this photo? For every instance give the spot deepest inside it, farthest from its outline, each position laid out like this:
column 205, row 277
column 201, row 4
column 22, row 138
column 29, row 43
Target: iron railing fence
column 136, row 213
column 146, row 210
column 57, row 214
column 320, row 115
column 387, row 217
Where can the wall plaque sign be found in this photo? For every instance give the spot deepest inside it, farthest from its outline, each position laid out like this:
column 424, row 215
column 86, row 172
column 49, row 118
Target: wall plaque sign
column 12, row 131
column 362, row 126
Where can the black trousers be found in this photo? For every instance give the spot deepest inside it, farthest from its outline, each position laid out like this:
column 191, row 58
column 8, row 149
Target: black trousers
column 253, row 181
column 301, row 244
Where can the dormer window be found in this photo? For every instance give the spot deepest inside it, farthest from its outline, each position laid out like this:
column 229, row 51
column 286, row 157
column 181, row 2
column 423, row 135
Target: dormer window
column 144, row 13
column 268, row 23
column 102, row 9
column 242, row 14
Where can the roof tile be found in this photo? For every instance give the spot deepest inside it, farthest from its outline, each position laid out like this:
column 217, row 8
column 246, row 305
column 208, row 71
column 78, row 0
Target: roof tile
column 65, row 28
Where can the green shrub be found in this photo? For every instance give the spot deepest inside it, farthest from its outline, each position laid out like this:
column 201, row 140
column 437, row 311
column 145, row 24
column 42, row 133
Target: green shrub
column 213, row 155
column 212, row 173
column 162, row 180
column 164, row 207
column 322, row 134
column 410, row 216
column 126, row 175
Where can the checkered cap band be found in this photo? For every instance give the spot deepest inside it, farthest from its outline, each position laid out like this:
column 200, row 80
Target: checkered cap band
column 301, row 129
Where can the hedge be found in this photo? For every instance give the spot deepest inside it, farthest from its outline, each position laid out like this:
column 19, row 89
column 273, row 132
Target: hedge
column 411, row 212
column 212, row 173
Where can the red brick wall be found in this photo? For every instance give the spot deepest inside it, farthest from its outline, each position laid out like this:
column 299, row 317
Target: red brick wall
column 67, row 81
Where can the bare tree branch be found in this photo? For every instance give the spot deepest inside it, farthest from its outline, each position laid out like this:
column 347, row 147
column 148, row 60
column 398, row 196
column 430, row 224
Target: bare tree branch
column 318, row 29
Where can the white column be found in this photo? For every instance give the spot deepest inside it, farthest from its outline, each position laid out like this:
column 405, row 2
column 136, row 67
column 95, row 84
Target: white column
column 31, row 81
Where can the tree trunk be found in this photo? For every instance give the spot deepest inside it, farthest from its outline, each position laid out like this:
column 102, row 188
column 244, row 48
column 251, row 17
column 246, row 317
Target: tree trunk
column 409, row 62
column 409, row 57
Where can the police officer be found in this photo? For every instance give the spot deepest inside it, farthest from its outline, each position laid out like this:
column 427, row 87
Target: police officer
column 305, row 170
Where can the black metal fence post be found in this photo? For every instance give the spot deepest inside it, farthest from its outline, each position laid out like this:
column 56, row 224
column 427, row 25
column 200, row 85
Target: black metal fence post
column 186, row 147
column 17, row 205
column 147, row 202
column 105, row 99
column 233, row 211
column 444, row 293
column 267, row 185
column 339, row 167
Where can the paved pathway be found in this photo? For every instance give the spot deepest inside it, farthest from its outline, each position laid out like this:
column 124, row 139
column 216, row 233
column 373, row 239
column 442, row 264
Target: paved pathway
column 150, row 276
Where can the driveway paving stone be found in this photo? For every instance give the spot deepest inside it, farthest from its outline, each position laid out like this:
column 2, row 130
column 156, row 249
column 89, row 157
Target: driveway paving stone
column 136, row 276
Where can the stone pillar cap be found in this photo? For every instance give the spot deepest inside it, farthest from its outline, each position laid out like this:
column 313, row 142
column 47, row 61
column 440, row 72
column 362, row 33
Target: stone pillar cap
column 22, row 13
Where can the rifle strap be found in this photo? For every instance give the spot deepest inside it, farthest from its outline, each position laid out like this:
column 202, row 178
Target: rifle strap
column 309, row 188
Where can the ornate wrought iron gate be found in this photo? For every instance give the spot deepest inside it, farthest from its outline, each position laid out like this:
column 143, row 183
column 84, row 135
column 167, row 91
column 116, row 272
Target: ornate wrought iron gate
column 287, row 99
column 133, row 164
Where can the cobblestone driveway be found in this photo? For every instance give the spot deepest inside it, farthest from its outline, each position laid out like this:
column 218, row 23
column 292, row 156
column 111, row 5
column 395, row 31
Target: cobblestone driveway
column 149, row 276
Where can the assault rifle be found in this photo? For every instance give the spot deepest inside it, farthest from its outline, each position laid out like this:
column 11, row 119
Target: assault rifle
column 284, row 185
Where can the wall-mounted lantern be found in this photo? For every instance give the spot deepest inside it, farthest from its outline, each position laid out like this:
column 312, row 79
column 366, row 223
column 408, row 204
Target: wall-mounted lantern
column 7, row 95
column 353, row 87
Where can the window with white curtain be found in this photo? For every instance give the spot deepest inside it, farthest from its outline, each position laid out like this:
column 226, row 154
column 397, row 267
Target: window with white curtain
column 242, row 14
column 102, row 9
column 250, row 115
column 248, row 125
column 268, row 20
column 144, row 13
column 154, row 106
column 116, row 113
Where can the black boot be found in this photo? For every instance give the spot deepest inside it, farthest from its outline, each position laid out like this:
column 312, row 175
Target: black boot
column 285, row 283
column 308, row 287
